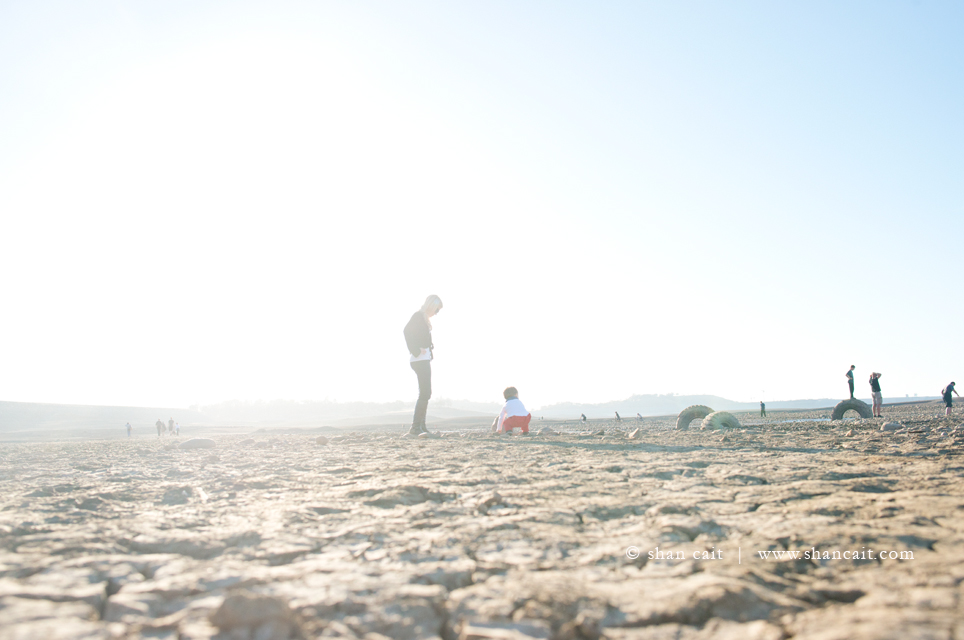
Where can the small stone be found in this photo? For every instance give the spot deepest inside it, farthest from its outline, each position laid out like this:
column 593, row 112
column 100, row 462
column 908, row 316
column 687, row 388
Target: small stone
column 528, row 630
column 849, row 433
column 255, row 611
column 491, row 501
column 321, row 440
column 891, row 426
column 177, row 495
column 634, row 434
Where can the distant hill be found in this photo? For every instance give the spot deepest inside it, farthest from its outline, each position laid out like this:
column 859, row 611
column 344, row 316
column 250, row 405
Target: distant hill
column 25, row 418
column 292, row 413
column 30, row 416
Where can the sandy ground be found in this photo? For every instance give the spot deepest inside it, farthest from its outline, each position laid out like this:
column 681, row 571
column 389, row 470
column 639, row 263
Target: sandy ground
column 275, row 536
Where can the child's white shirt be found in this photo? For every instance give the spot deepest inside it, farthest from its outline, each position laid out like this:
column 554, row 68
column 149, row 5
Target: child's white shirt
column 512, row 407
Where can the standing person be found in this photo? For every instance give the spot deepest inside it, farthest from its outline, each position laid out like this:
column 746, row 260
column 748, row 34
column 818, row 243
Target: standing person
column 177, row 429
column 160, row 427
column 170, row 426
column 850, row 380
column 948, row 398
column 763, row 410
column 128, row 429
column 875, row 392
column 418, row 337
column 618, row 419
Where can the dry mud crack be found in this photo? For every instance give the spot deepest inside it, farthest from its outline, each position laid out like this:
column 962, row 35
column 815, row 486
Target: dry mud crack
column 473, row 536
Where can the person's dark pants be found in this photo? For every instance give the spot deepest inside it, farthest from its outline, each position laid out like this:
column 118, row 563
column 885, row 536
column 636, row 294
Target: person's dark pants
column 423, row 369
column 763, row 413
column 851, row 383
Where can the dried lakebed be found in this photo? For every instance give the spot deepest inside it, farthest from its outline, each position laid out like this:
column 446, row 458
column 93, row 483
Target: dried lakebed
column 472, row 536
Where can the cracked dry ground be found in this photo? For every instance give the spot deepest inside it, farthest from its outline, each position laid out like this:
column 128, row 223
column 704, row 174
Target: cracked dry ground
column 471, row 536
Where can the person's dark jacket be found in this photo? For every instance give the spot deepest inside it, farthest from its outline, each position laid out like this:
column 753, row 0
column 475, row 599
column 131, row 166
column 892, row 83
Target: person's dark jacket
column 417, row 334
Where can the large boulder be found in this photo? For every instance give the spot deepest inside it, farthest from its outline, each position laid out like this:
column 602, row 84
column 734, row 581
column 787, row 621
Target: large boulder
column 197, row 443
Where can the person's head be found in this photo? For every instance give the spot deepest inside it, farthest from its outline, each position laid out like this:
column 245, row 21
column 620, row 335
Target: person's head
column 510, row 392
column 852, row 367
column 433, row 304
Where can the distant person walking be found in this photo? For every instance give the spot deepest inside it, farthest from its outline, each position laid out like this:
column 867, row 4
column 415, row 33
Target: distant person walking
column 170, row 426
column 618, row 419
column 160, row 427
column 128, row 429
column 948, row 398
column 177, row 429
column 850, row 380
column 763, row 410
column 418, row 337
column 875, row 392
column 583, row 417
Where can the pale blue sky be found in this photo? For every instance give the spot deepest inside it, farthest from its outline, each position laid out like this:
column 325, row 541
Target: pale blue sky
column 207, row 201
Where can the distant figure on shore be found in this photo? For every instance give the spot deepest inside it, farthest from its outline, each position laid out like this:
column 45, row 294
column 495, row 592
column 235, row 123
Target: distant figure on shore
column 177, row 429
column 850, row 380
column 513, row 413
column 128, row 429
column 418, row 338
column 639, row 417
column 170, row 426
column 875, row 392
column 160, row 427
column 948, row 398
column 583, row 417
column 763, row 410
column 618, row 419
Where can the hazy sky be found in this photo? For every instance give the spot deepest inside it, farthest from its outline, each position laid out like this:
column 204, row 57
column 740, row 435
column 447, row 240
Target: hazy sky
column 204, row 201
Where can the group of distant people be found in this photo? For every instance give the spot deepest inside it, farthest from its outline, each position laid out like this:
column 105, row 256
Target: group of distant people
column 947, row 392
column 171, row 428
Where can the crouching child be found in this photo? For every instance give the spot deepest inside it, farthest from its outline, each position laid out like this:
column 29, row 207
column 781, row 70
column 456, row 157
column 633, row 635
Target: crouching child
column 513, row 413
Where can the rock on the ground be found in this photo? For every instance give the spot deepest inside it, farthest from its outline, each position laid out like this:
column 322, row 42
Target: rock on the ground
column 197, row 443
